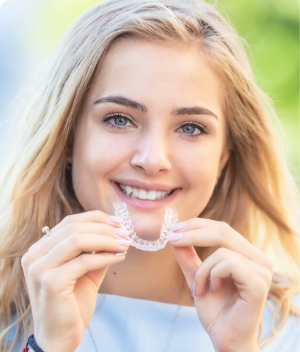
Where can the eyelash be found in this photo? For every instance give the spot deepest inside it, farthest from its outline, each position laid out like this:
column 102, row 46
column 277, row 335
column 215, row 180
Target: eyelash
column 107, row 120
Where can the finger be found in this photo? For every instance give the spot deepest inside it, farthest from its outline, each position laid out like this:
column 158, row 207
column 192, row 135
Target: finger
column 95, row 265
column 75, row 245
column 44, row 246
column 96, row 216
column 193, row 224
column 218, row 235
column 36, row 244
column 249, row 285
column 204, row 271
column 188, row 261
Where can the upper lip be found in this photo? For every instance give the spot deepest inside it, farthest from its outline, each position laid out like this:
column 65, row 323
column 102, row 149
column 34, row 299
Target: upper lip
column 146, row 186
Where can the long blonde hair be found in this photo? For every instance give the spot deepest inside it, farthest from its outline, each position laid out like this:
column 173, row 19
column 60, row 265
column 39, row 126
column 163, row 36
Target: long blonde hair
column 253, row 193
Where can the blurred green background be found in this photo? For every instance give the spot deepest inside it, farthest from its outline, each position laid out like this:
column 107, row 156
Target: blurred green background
column 270, row 27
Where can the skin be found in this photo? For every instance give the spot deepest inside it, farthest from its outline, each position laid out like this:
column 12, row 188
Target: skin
column 153, row 148
column 152, row 152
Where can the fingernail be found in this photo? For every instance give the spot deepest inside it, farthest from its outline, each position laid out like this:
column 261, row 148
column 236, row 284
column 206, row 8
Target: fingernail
column 120, row 254
column 193, row 290
column 178, row 226
column 114, row 219
column 175, row 236
column 121, row 232
column 124, row 243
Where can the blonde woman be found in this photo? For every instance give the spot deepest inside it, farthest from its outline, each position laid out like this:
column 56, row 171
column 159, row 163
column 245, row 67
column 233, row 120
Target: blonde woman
column 153, row 104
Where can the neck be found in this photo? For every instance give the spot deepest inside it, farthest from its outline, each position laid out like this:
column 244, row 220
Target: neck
column 154, row 276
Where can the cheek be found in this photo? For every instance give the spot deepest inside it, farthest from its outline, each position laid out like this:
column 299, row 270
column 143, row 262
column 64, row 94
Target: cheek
column 93, row 151
column 198, row 168
column 94, row 161
column 200, row 163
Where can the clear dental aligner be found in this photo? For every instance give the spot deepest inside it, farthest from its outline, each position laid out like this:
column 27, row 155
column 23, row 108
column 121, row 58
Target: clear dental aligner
column 170, row 218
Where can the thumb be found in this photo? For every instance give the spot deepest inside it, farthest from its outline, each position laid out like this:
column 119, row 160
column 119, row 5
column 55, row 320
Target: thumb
column 189, row 262
column 97, row 276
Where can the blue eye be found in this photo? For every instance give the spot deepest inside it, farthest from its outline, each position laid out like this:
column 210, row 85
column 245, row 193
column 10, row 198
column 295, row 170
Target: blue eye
column 193, row 129
column 189, row 129
column 120, row 120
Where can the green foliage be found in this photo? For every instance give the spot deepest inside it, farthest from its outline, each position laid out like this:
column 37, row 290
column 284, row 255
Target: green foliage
column 50, row 20
column 271, row 29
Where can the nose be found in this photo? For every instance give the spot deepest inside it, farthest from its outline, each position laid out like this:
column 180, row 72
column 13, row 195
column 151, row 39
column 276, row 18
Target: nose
column 152, row 153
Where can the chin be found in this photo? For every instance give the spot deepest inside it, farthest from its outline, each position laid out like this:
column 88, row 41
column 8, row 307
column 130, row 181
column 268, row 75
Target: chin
column 147, row 227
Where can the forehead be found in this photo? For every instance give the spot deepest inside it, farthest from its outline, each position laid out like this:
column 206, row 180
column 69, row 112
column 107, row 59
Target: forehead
column 169, row 73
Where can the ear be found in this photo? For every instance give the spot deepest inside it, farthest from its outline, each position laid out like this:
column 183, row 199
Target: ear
column 69, row 158
column 223, row 160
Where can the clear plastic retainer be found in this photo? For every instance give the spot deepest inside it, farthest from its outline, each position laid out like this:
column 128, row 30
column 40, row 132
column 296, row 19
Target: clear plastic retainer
column 170, row 219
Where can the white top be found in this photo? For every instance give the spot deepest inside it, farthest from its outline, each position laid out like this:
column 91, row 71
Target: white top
column 122, row 324
column 135, row 325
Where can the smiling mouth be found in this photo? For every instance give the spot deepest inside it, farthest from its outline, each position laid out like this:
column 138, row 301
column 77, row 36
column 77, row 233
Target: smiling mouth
column 143, row 194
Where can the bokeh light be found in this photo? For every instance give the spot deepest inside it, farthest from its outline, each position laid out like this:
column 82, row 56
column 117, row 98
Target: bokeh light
column 2, row 2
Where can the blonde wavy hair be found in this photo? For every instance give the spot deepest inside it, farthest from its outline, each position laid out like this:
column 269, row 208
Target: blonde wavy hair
column 253, row 194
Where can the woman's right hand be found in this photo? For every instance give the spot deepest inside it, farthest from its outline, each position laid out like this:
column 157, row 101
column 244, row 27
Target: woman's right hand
column 63, row 282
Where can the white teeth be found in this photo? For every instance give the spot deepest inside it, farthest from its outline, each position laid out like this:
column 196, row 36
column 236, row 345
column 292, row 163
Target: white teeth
column 128, row 190
column 142, row 193
column 151, row 195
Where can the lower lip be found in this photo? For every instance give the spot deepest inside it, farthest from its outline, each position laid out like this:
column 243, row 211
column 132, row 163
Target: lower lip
column 144, row 203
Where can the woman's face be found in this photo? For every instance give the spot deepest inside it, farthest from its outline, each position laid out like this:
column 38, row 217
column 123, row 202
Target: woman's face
column 151, row 134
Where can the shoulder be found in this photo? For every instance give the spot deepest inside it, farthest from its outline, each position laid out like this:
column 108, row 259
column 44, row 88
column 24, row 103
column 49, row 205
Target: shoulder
column 287, row 338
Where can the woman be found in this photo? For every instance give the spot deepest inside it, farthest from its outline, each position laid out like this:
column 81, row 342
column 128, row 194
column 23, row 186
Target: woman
column 151, row 103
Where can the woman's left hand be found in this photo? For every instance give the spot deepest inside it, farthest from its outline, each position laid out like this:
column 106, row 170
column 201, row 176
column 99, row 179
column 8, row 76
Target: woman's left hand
column 230, row 286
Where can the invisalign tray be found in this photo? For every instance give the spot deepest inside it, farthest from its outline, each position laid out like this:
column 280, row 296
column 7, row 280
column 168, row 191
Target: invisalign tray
column 170, row 218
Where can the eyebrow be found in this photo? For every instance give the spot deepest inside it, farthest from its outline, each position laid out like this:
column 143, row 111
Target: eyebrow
column 194, row 110
column 121, row 100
